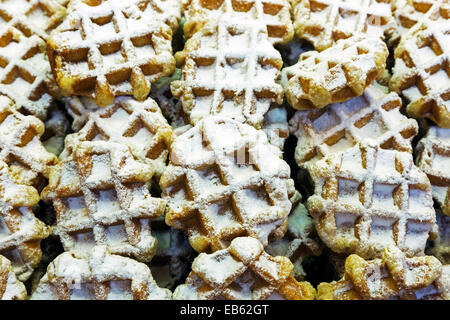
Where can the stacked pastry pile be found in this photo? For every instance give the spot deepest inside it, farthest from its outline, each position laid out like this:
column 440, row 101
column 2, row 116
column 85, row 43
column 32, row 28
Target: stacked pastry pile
column 145, row 150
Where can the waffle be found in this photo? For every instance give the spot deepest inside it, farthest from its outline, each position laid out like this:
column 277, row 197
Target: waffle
column 169, row 11
column 440, row 247
column 20, row 231
column 25, row 74
column 393, row 277
column 299, row 243
column 10, row 287
column 108, row 48
column 336, row 74
column 408, row 13
column 369, row 198
column 137, row 125
column 323, row 22
column 240, row 272
column 225, row 180
column 274, row 15
column 38, row 17
column 100, row 197
column 276, row 127
column 172, row 260
column 230, row 69
column 101, row 276
column 372, row 119
column 434, row 159
column 420, row 73
column 21, row 147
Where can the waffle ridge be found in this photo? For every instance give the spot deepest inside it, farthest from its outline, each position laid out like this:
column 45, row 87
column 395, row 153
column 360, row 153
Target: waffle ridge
column 101, row 198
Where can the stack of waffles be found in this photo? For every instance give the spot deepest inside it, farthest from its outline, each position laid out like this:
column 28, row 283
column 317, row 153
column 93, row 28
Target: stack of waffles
column 224, row 149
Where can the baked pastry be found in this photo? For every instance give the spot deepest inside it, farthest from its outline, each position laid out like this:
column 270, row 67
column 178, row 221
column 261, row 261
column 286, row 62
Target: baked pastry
column 273, row 15
column 20, row 231
column 372, row 119
column 433, row 158
column 25, row 74
column 21, row 147
column 230, row 69
column 100, row 197
column 276, row 127
column 225, row 180
column 336, row 74
column 240, row 272
column 108, row 48
column 366, row 199
column 420, row 73
column 100, row 276
column 10, row 287
column 393, row 277
column 137, row 125
column 408, row 13
column 323, row 22
column 38, row 17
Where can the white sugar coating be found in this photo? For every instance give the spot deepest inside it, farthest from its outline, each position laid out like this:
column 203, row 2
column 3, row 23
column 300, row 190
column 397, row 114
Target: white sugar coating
column 30, row 90
column 138, row 125
column 21, row 229
column 230, row 69
column 373, row 119
column 433, row 158
column 270, row 14
column 236, row 180
column 101, row 196
column 337, row 74
column 420, row 59
column 10, row 287
column 234, row 273
column 120, row 278
column 354, row 198
column 323, row 22
column 138, row 44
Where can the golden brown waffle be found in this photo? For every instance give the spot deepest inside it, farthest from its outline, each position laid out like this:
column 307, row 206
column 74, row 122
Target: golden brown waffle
column 225, row 180
column 25, row 74
column 408, row 13
column 100, row 276
column 38, row 17
column 137, row 125
column 366, row 199
column 240, row 272
column 229, row 69
column 300, row 241
column 393, row 277
column 109, row 48
column 421, row 74
column 21, row 147
column 10, row 287
column 323, row 22
column 20, row 231
column 336, row 74
column 169, row 11
column 440, row 247
column 372, row 119
column 433, row 158
column 273, row 15
column 101, row 198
